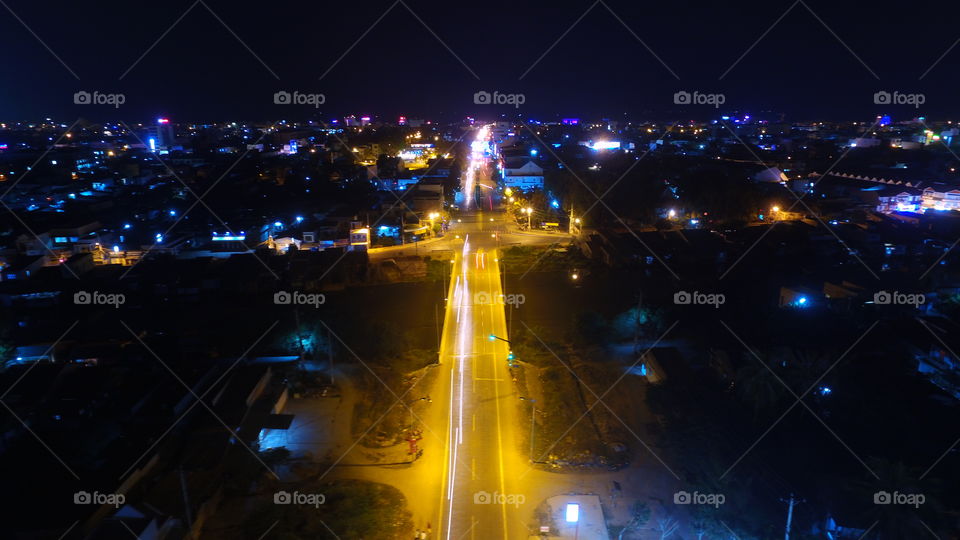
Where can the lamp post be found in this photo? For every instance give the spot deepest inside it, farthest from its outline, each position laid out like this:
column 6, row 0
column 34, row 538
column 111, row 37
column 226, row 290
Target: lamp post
column 529, row 212
column 533, row 412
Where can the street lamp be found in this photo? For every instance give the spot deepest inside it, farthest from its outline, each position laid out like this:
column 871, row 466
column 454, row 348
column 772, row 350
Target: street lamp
column 533, row 412
column 433, row 217
column 529, row 212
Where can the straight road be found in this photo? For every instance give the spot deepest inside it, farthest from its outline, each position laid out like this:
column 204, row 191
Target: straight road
column 480, row 496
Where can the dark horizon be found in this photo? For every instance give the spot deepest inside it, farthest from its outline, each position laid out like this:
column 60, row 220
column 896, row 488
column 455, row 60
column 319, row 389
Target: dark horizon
column 210, row 60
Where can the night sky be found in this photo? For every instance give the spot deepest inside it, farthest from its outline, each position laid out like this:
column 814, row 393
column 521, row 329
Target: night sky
column 201, row 71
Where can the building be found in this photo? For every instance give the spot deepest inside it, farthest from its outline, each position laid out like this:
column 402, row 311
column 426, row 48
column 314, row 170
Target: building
column 160, row 136
column 914, row 200
column 523, row 177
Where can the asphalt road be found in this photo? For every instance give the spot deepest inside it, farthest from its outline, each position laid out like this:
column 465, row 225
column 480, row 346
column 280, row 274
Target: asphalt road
column 479, row 495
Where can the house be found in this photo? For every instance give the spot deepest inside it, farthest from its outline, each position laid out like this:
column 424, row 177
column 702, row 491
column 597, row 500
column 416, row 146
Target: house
column 525, row 176
column 772, row 174
column 796, row 297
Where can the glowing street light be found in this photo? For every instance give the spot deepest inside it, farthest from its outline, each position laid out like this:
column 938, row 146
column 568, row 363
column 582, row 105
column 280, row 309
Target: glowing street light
column 493, row 337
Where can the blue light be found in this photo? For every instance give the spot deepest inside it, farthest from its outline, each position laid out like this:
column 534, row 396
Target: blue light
column 153, row 144
column 555, row 204
column 492, row 337
column 533, row 152
column 173, row 212
column 126, row 225
column 825, row 390
column 277, row 224
column 802, row 301
column 299, row 219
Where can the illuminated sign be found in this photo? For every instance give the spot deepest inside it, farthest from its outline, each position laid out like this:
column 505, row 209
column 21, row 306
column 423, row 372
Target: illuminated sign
column 605, row 145
column 360, row 237
column 573, row 512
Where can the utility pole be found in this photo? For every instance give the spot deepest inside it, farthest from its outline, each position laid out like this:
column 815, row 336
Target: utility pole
column 790, row 503
column 436, row 322
column 503, row 272
column 636, row 324
column 186, row 498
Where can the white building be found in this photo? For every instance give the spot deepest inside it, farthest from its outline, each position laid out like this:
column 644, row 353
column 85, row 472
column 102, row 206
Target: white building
column 527, row 176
